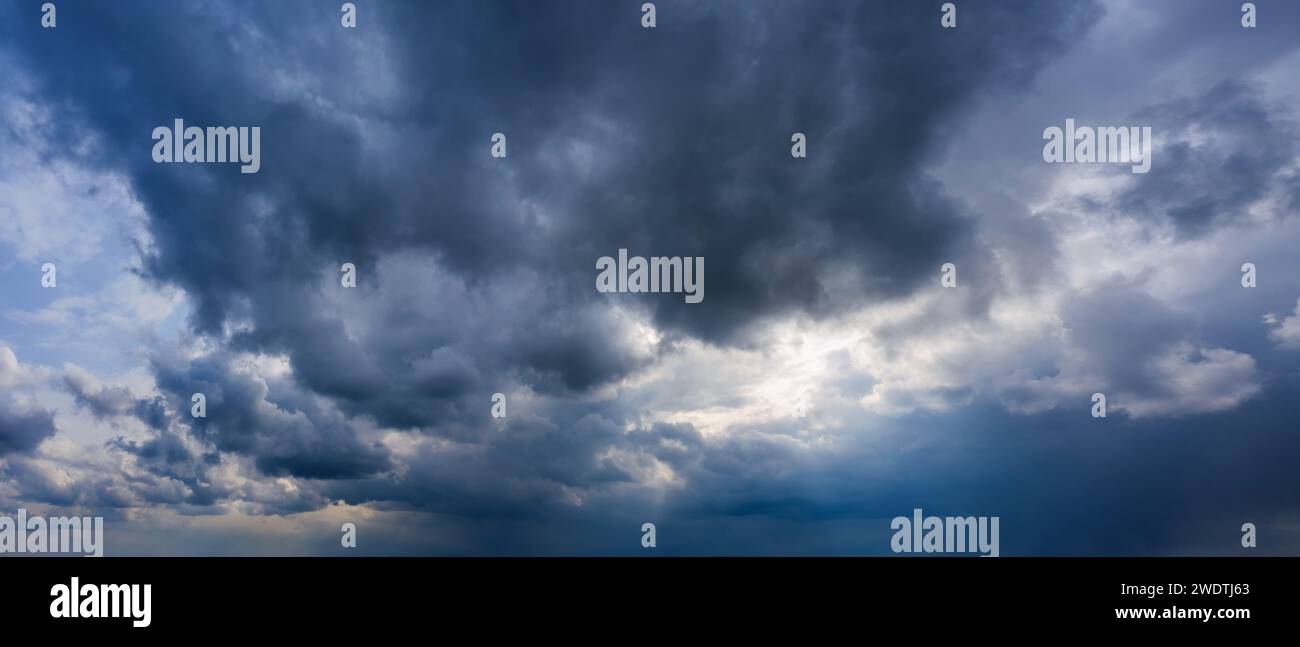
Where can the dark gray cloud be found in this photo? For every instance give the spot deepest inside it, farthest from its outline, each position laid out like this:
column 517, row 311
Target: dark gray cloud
column 1219, row 154
column 692, row 123
column 670, row 142
column 476, row 274
column 287, row 434
column 23, row 425
column 1122, row 348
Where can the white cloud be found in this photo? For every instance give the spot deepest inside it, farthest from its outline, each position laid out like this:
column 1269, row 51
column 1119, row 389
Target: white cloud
column 1194, row 380
column 1285, row 330
column 55, row 209
column 14, row 375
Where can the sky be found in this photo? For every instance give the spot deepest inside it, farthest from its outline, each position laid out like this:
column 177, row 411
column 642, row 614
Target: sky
column 827, row 382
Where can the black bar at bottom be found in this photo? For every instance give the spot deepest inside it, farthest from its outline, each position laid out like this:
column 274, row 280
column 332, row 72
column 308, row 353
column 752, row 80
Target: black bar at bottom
column 541, row 598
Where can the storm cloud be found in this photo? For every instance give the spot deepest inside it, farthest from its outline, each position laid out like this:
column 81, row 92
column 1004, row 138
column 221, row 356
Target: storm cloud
column 475, row 275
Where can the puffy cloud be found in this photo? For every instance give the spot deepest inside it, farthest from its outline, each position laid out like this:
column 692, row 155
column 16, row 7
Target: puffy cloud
column 24, row 422
column 286, row 432
column 1285, row 330
column 14, row 375
column 1220, row 154
column 103, row 400
column 23, row 425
